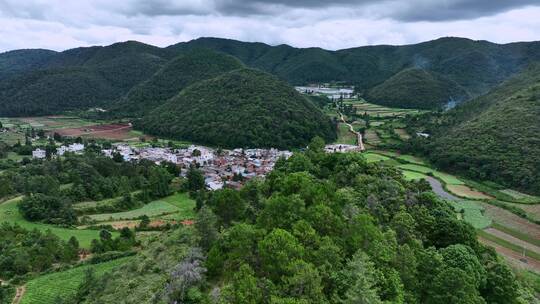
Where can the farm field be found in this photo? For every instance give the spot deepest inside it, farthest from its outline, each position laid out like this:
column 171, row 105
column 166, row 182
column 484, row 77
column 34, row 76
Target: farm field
column 47, row 288
column 371, row 109
column 344, row 136
column 374, row 157
column 472, row 213
column 175, row 207
column 446, row 178
column 113, row 131
column 10, row 213
column 466, row 192
column 412, row 175
column 510, row 220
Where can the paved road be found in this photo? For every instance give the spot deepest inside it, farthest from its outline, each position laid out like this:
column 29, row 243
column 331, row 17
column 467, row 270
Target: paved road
column 439, row 190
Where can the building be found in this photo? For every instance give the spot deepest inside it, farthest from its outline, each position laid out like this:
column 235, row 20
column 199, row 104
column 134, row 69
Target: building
column 39, row 153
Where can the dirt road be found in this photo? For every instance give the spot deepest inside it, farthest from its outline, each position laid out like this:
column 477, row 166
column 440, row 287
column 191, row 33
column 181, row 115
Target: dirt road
column 359, row 139
column 437, row 187
column 19, row 294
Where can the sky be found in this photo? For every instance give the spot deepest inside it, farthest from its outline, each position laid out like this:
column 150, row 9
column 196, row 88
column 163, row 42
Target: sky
column 330, row 24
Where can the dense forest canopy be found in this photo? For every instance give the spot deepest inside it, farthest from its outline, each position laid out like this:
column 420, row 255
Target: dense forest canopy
column 418, row 89
column 243, row 108
column 177, row 74
column 322, row 228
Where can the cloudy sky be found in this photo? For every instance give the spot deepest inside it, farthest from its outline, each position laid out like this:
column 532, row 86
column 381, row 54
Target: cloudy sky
column 61, row 24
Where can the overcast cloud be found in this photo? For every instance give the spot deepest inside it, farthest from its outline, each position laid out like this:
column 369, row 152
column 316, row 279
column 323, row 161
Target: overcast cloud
column 60, row 24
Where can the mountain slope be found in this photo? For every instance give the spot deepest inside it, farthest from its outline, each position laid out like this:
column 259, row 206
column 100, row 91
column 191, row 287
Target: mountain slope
column 495, row 136
column 14, row 62
column 416, row 88
column 80, row 78
column 177, row 74
column 242, row 108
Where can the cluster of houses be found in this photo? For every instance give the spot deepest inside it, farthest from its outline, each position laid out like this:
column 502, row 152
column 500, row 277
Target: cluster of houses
column 73, row 148
column 221, row 168
column 328, row 91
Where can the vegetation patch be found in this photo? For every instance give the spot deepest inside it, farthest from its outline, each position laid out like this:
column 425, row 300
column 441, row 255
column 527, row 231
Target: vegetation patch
column 413, row 175
column 47, row 289
column 472, row 213
column 446, row 178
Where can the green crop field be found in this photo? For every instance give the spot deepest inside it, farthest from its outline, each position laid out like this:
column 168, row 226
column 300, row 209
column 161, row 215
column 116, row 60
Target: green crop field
column 48, row 288
column 10, row 213
column 344, row 136
column 373, row 157
column 177, row 206
column 412, row 175
column 473, row 213
column 446, row 178
column 411, row 159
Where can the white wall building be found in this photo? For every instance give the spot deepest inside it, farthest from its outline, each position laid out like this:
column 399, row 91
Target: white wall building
column 39, row 153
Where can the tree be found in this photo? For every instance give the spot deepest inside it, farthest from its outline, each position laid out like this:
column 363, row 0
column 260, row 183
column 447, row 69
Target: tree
column 206, row 226
column 360, row 281
column 228, row 205
column 117, row 157
column 453, row 286
column 159, row 182
column 501, row 285
column 243, row 288
column 304, row 282
column 195, row 180
column 277, row 251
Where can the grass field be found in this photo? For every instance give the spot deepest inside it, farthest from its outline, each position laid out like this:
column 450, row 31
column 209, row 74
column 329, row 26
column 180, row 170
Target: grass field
column 412, row 175
column 10, row 213
column 373, row 157
column 473, row 213
column 344, row 136
column 446, row 178
column 47, row 288
column 411, row 159
column 178, row 206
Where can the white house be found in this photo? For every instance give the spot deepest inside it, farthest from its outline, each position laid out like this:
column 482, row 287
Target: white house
column 75, row 148
column 39, row 153
column 61, row 150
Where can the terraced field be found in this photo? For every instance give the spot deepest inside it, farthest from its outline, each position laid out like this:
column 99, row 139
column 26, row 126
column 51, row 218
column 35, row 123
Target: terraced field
column 473, row 213
column 48, row 288
column 175, row 207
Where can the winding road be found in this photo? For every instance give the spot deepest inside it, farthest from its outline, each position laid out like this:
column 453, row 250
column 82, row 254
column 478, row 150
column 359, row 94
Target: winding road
column 359, row 139
column 437, row 187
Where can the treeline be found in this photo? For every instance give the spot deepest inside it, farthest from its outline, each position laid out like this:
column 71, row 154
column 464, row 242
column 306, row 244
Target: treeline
column 23, row 251
column 52, row 186
column 321, row 228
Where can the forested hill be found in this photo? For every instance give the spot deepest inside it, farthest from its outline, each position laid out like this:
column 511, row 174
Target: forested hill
column 242, row 108
column 476, row 66
column 417, row 88
column 493, row 137
column 48, row 83
column 35, row 82
column 177, row 74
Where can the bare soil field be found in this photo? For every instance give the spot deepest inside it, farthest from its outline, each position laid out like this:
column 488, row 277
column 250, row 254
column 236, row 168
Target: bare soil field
column 107, row 131
column 464, row 191
column 514, row 258
column 512, row 239
column 508, row 219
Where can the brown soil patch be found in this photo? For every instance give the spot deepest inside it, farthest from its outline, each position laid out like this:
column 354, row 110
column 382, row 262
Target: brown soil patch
column 516, row 259
column 402, row 134
column 464, row 191
column 510, row 220
column 107, row 131
column 188, row 222
column 532, row 209
column 512, row 239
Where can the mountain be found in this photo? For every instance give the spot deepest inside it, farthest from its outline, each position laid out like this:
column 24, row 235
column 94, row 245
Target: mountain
column 476, row 66
column 416, row 88
column 102, row 76
column 496, row 136
column 177, row 74
column 241, row 108
column 15, row 62
column 79, row 78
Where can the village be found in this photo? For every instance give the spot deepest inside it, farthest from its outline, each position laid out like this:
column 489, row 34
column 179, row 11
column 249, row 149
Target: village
column 220, row 167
